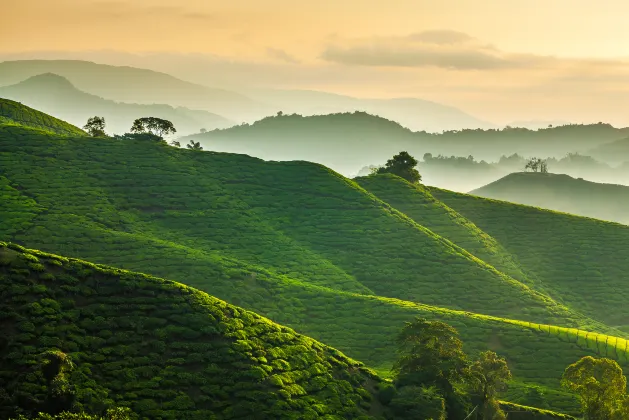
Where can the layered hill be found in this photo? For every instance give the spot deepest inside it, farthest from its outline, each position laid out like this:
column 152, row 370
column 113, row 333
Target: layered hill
column 561, row 193
column 15, row 113
column 135, row 85
column 55, row 94
column 615, row 152
column 163, row 349
column 299, row 244
column 346, row 142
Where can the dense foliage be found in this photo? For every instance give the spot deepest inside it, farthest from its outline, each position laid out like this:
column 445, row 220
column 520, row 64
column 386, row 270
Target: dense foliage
column 163, row 349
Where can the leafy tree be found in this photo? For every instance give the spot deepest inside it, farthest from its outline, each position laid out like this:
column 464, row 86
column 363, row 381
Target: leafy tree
column 117, row 413
column 600, row 385
column 55, row 367
column 488, row 376
column 95, row 127
column 152, row 125
column 203, row 130
column 402, row 165
column 431, row 354
column 194, row 145
column 537, row 165
column 175, row 143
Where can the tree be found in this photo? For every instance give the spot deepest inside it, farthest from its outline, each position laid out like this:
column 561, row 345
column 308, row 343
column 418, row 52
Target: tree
column 95, row 127
column 55, row 367
column 152, row 125
column 194, row 146
column 488, row 376
column 600, row 385
column 203, row 130
column 402, row 165
column 175, row 143
column 431, row 354
column 537, row 164
column 414, row 402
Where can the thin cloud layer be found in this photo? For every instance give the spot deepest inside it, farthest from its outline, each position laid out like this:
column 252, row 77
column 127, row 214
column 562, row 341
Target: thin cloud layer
column 439, row 48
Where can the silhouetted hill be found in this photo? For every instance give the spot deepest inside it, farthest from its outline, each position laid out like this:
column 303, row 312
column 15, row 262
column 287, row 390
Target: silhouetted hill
column 347, row 142
column 616, row 152
column 56, row 95
column 561, row 193
column 416, row 114
column 134, row 85
column 15, row 113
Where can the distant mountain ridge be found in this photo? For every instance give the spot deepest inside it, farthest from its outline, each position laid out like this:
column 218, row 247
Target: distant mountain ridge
column 562, row 193
column 56, row 95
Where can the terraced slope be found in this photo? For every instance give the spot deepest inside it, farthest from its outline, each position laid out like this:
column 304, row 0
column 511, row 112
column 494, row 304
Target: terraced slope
column 293, row 241
column 13, row 113
column 580, row 261
column 164, row 349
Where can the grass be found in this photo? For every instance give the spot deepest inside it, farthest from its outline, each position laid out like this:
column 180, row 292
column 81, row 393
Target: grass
column 332, row 258
column 14, row 113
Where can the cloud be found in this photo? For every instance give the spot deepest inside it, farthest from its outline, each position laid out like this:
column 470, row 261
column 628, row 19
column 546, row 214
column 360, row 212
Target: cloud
column 281, row 55
column 438, row 48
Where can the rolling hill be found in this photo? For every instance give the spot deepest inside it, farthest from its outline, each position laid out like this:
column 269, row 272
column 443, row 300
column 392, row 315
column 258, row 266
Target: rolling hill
column 615, row 152
column 55, row 94
column 413, row 113
column 15, row 113
column 134, row 85
column 561, row 193
column 347, row 142
column 164, row 349
column 336, row 259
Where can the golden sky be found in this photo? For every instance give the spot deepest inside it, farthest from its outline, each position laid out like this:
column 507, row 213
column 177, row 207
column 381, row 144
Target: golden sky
column 499, row 59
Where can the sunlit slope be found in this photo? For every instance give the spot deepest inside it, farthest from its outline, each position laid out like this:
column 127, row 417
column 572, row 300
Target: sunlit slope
column 580, row 261
column 98, row 306
column 14, row 113
column 417, row 202
column 166, row 350
column 101, row 199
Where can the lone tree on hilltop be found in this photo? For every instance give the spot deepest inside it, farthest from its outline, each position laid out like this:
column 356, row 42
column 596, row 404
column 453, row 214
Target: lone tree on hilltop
column 194, row 145
column 151, row 125
column 95, row 127
column 402, row 165
column 536, row 165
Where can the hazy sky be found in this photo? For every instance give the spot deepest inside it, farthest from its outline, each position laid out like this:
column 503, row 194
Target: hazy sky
column 498, row 59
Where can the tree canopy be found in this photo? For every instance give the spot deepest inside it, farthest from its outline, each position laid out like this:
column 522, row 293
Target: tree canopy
column 403, row 165
column 152, row 125
column 95, row 126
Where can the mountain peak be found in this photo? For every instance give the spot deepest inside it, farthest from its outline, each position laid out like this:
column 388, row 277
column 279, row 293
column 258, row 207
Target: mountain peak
column 48, row 80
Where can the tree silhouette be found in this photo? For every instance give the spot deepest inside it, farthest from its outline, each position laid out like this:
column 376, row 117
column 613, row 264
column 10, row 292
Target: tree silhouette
column 194, row 146
column 95, row 126
column 152, row 125
column 402, row 165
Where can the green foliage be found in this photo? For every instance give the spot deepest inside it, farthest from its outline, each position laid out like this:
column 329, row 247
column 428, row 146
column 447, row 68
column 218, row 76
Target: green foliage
column 402, row 165
column 95, row 126
column 153, row 125
column 488, row 376
column 158, row 347
column 414, row 402
column 601, row 386
column 194, row 145
column 14, row 113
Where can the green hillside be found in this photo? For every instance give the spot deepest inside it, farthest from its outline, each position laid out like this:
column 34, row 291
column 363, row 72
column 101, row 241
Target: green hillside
column 561, row 193
column 56, row 95
column 14, row 113
column 575, row 259
column 163, row 349
column 297, row 243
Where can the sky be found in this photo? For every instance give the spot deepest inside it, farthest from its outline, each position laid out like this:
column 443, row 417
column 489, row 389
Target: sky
column 500, row 60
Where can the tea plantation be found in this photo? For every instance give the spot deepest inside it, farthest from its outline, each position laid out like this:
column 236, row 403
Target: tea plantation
column 14, row 113
column 345, row 262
